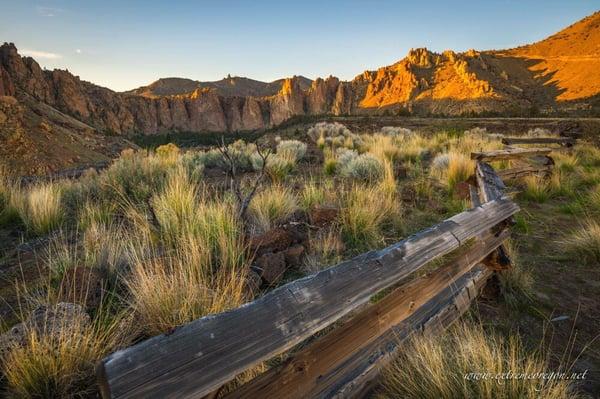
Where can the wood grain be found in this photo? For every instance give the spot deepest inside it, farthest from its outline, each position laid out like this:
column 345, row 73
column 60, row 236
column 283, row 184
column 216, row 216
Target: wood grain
column 199, row 357
column 511, row 153
column 302, row 374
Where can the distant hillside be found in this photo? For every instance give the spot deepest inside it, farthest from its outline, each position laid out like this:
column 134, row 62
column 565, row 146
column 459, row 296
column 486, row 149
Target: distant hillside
column 558, row 75
column 227, row 87
column 568, row 60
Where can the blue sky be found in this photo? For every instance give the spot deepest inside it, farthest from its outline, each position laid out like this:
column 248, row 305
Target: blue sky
column 126, row 44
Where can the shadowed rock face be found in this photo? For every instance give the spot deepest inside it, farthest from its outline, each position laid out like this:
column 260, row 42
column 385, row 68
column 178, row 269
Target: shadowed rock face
column 554, row 74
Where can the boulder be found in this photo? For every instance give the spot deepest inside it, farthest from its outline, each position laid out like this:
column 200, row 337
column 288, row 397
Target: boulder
column 297, row 231
column 274, row 240
column 293, row 255
column 44, row 320
column 272, row 266
column 322, row 216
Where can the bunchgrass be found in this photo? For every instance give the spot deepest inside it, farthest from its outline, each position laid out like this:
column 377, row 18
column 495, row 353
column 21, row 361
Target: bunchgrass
column 366, row 210
column 584, row 242
column 271, row 206
column 39, row 207
column 441, row 367
column 536, row 189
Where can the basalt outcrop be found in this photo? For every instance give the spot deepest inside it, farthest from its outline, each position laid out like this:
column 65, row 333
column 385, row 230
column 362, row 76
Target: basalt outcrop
column 556, row 74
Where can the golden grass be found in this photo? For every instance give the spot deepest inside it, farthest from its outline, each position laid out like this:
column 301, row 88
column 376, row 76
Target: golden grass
column 517, row 281
column 366, row 210
column 325, row 250
column 435, row 367
column 460, row 167
column 272, row 205
column 536, row 189
column 453, row 168
column 312, row 195
column 167, row 291
column 382, row 146
column 176, row 206
column 57, row 356
column 39, row 207
column 585, row 242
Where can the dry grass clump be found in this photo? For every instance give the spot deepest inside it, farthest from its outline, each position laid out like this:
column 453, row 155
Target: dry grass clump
column 383, row 147
column 589, row 155
column 92, row 212
column 204, row 271
column 441, row 367
column 315, row 193
column 272, row 205
column 366, row 211
column 536, row 189
column 566, row 162
column 168, row 292
column 585, row 242
column 412, row 147
column 561, row 184
column 325, row 249
column 134, row 177
column 517, row 281
column 60, row 365
column 452, row 168
column 39, row 207
column 175, row 207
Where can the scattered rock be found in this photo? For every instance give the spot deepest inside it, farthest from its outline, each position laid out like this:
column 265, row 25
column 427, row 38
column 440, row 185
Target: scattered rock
column 293, row 255
column 560, row 318
column 274, row 240
column 298, row 232
column 46, row 321
column 272, row 266
column 322, row 216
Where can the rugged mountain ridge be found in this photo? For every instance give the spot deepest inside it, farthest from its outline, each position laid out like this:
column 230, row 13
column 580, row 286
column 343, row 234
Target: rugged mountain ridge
column 543, row 77
column 228, row 87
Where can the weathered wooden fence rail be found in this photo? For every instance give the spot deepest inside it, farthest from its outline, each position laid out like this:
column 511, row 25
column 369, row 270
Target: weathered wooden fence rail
column 563, row 141
column 528, row 161
column 200, row 357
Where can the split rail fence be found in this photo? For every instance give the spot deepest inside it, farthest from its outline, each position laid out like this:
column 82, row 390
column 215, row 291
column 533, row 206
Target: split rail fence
column 335, row 336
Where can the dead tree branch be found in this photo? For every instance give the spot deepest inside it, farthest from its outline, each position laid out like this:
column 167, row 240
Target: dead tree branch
column 243, row 199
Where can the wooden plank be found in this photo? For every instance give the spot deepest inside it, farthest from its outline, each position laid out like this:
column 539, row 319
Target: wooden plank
column 202, row 355
column 432, row 318
column 301, row 375
column 510, row 153
column 515, row 173
column 489, row 183
column 491, row 187
column 568, row 141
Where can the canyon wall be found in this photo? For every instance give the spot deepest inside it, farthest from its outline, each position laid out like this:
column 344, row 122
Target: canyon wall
column 556, row 74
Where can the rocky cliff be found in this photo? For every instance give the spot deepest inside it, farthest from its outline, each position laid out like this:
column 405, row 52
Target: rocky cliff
column 559, row 73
